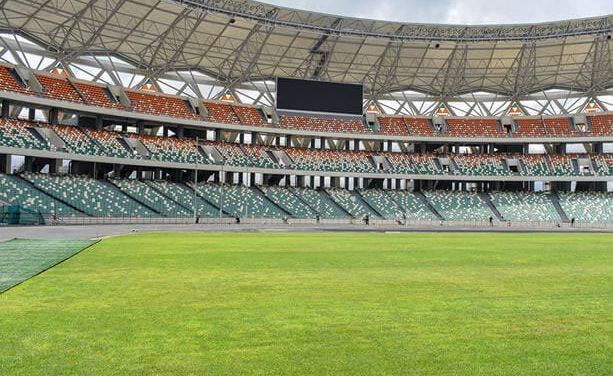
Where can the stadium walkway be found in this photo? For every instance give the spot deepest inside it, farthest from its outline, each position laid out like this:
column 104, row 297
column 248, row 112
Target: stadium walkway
column 102, row 231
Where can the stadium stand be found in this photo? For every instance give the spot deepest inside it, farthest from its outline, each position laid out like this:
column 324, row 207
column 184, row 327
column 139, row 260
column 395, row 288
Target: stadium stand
column 329, row 160
column 420, row 127
column 563, row 164
column 529, row 127
column 97, row 95
column 603, row 164
column 525, row 207
column 323, row 124
column 352, row 203
column 76, row 140
column 382, row 203
column 93, row 197
column 393, row 125
column 467, row 127
column 158, row 104
column 110, row 141
column 250, row 115
column 185, row 197
column 413, row 207
column 601, row 125
column 15, row 134
column 239, row 201
column 534, row 165
column 8, row 82
column 176, row 150
column 289, row 201
column 459, row 206
column 141, row 192
column 58, row 88
column 559, row 127
column 480, row 165
column 221, row 113
column 16, row 191
column 321, row 203
column 588, row 207
column 259, row 156
column 232, row 153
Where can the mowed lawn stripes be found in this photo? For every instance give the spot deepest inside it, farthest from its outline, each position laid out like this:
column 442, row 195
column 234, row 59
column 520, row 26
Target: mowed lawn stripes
column 22, row 259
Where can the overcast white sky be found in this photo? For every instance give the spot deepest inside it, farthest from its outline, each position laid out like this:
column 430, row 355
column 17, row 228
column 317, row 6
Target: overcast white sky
column 457, row 11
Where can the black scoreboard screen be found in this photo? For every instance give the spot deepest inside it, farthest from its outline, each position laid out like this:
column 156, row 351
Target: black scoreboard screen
column 319, row 96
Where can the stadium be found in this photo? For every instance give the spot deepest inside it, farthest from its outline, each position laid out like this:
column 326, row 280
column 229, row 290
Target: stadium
column 234, row 187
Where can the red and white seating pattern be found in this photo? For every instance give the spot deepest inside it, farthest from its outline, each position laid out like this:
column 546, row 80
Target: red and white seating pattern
column 249, row 115
column 322, row 124
column 420, row 127
column 393, row 125
column 556, row 127
column 221, row 113
column 58, row 88
column 157, row 104
column 474, row 127
column 8, row 83
column 529, row 127
column 602, row 125
column 95, row 96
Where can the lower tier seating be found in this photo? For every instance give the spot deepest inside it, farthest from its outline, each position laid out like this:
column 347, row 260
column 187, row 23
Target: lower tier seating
column 184, row 196
column 352, row 203
column 239, row 201
column 289, row 201
column 480, row 165
column 321, row 203
column 382, row 203
column 588, row 207
column 525, row 207
column 459, row 206
column 93, row 197
column 175, row 150
column 414, row 208
column 16, row 191
column 143, row 192
column 15, row 134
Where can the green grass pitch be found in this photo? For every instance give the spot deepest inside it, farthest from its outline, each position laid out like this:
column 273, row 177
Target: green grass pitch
column 230, row 304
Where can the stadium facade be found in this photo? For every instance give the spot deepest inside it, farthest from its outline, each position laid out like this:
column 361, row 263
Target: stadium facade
column 131, row 111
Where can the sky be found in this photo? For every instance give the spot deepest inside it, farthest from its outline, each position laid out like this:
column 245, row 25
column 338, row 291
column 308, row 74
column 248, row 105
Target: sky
column 470, row 12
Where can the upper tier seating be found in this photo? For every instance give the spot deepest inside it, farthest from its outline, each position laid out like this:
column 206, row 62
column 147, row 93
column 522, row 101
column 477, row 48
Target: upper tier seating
column 184, row 196
column 250, row 115
column 110, row 141
column 90, row 196
column 459, row 206
column 8, row 83
column 480, row 165
column 16, row 191
column 58, row 88
column 525, row 207
column 96, row 95
column 289, row 201
column 529, row 127
column 393, row 125
column 173, row 150
column 351, row 202
column 588, row 207
column 562, row 165
column 382, row 203
column 474, row 128
column 142, row 192
column 602, row 125
column 414, row 208
column 15, row 134
column 559, row 127
column 321, row 203
column 239, row 201
column 222, row 113
column 420, row 127
column 157, row 104
column 330, row 160
column 323, row 124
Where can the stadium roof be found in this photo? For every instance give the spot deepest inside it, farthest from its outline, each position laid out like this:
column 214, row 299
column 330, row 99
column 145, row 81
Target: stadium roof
column 240, row 40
